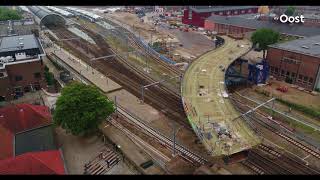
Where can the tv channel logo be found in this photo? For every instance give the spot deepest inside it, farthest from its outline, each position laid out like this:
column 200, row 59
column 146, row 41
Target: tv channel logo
column 291, row 19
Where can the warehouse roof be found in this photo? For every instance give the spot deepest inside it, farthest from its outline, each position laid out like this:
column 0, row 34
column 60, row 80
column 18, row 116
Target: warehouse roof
column 309, row 46
column 14, row 43
column 294, row 29
column 201, row 9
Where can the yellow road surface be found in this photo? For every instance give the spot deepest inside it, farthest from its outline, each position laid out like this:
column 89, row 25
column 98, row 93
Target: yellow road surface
column 207, row 106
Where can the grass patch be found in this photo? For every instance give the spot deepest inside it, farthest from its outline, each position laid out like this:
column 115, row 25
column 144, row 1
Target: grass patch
column 311, row 112
column 306, row 110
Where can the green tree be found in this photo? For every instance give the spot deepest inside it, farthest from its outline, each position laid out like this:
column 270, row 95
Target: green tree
column 263, row 38
column 290, row 11
column 81, row 108
column 9, row 14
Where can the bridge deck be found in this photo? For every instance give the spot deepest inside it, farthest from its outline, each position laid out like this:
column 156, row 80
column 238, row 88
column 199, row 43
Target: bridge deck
column 210, row 114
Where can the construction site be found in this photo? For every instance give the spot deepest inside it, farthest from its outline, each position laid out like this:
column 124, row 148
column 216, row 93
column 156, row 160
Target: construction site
column 180, row 106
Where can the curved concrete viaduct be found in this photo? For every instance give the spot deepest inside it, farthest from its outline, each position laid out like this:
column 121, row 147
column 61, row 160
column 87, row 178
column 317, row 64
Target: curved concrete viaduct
column 206, row 103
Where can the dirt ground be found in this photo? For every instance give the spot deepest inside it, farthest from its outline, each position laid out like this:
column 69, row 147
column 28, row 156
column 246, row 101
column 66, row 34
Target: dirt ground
column 78, row 150
column 194, row 44
column 293, row 95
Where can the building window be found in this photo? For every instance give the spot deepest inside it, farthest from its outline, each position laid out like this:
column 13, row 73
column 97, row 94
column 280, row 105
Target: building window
column 276, row 70
column 288, row 73
column 228, row 12
column 221, row 13
column 310, row 80
column 249, row 11
column 282, row 72
column 37, row 75
column 305, row 78
column 235, row 12
column 1, row 74
column 18, row 78
column 190, row 14
column 243, row 11
column 293, row 75
column 300, row 76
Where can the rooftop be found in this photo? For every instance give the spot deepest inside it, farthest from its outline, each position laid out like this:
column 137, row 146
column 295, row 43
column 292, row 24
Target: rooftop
column 295, row 29
column 35, row 163
column 14, row 43
column 39, row 139
column 309, row 46
column 201, row 9
column 19, row 118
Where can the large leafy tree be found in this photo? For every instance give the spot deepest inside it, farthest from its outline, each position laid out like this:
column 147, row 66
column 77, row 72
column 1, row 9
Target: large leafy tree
column 9, row 14
column 263, row 38
column 81, row 108
column 290, row 11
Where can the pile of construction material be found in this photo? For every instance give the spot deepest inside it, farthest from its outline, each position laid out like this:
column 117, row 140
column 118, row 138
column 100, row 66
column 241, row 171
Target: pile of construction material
column 102, row 163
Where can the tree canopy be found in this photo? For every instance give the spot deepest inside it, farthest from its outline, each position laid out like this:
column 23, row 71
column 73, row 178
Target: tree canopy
column 290, row 11
column 264, row 37
column 81, row 108
column 9, row 14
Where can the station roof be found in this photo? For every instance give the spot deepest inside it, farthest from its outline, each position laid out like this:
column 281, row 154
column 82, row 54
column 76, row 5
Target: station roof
column 87, row 13
column 295, row 29
column 60, row 11
column 309, row 46
column 14, row 43
column 46, row 17
column 203, row 9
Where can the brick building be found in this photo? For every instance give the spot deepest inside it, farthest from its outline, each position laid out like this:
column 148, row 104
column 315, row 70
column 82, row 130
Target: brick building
column 296, row 62
column 240, row 25
column 197, row 15
column 21, row 66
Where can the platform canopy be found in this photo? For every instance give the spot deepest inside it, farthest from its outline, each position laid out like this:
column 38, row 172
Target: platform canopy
column 47, row 18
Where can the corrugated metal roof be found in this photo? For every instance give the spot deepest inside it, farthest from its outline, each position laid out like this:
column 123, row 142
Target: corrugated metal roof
column 294, row 29
column 308, row 46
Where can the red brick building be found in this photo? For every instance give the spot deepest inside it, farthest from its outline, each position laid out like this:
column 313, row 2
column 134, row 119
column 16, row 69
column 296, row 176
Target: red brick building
column 21, row 66
column 296, row 62
column 196, row 15
column 240, row 25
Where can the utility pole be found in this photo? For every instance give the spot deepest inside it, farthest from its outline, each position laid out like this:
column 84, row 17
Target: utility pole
column 175, row 132
column 116, row 106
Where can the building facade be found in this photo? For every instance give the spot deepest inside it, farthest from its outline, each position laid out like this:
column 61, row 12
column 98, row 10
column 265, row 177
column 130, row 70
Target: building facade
column 240, row 25
column 197, row 15
column 296, row 62
column 21, row 66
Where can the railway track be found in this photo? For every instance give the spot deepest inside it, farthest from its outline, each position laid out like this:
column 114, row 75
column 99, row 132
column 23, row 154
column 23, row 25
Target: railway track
column 291, row 164
column 158, row 97
column 164, row 140
column 274, row 130
column 138, row 43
